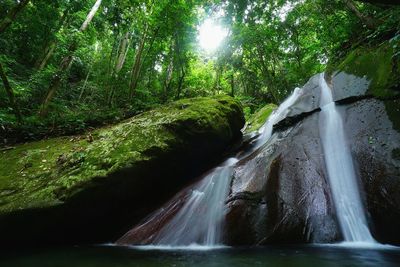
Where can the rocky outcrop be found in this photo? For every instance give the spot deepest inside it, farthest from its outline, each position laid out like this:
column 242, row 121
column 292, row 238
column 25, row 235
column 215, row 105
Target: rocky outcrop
column 374, row 134
column 91, row 188
column 281, row 194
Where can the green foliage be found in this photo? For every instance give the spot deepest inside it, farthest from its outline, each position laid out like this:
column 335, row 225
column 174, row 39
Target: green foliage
column 272, row 47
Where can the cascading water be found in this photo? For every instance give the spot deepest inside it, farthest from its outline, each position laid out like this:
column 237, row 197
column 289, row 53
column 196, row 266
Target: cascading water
column 277, row 115
column 200, row 219
column 342, row 176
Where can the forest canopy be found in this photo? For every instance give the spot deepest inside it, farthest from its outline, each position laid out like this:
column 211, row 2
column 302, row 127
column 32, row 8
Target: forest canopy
column 67, row 65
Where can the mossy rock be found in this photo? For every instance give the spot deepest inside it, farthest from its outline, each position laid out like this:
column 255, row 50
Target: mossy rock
column 258, row 119
column 82, row 182
column 378, row 65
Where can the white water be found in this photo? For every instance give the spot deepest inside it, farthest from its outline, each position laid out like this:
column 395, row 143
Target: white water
column 342, row 176
column 277, row 115
column 200, row 220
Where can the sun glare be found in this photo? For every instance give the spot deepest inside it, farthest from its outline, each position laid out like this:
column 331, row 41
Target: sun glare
column 211, row 35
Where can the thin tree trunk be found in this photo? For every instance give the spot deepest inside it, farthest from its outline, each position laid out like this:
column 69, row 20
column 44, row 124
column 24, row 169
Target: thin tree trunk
column 10, row 93
column 66, row 62
column 12, row 14
column 84, row 85
column 138, row 65
column 90, row 16
column 366, row 20
column 180, row 83
column 123, row 52
column 50, row 46
column 218, row 74
column 168, row 79
column 48, row 53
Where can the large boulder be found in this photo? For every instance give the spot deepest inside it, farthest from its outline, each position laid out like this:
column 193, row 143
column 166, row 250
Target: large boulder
column 281, row 194
column 91, row 188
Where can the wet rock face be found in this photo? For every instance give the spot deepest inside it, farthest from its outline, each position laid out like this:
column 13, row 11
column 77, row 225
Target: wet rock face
column 348, row 87
column 374, row 142
column 281, row 193
column 307, row 103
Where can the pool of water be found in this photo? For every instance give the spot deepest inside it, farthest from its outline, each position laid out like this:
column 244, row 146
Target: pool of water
column 287, row 256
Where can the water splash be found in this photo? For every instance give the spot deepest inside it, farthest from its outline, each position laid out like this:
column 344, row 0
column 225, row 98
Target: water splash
column 342, row 177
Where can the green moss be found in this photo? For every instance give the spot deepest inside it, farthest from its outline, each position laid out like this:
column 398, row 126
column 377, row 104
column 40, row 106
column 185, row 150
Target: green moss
column 49, row 172
column 258, row 119
column 377, row 65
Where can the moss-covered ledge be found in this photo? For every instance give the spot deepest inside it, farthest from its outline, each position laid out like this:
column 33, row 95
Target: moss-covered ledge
column 258, row 119
column 88, row 188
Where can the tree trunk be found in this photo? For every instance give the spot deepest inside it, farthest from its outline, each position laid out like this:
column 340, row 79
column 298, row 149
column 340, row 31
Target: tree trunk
column 50, row 46
column 12, row 14
column 49, row 50
column 84, row 85
column 218, row 74
column 66, row 62
column 180, row 83
column 366, row 20
column 123, row 51
column 137, row 65
column 90, row 16
column 10, row 94
column 168, row 78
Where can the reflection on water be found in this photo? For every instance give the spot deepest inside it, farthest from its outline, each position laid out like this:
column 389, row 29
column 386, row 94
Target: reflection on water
column 302, row 256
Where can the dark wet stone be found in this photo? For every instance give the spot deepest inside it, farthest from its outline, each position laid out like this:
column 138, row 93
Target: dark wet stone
column 291, row 200
column 280, row 194
column 306, row 104
column 374, row 143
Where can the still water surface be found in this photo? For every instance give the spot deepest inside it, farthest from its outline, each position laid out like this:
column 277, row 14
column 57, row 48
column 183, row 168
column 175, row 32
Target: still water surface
column 108, row 256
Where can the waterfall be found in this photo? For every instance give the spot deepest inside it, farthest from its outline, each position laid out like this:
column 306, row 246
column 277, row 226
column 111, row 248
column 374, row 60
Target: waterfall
column 196, row 215
column 341, row 173
column 200, row 219
column 277, row 115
